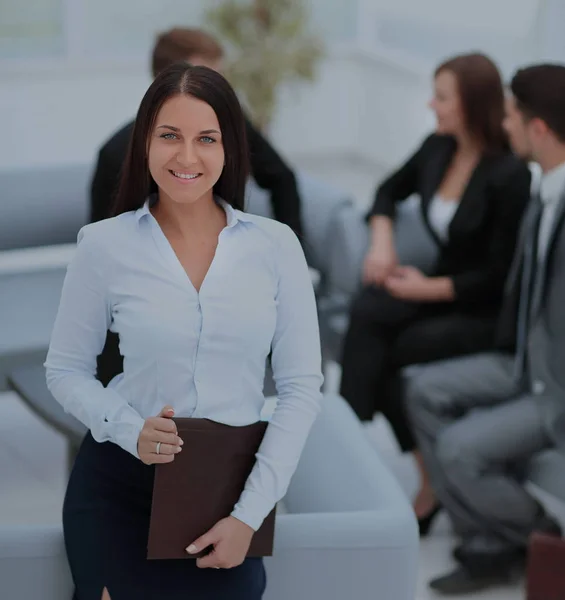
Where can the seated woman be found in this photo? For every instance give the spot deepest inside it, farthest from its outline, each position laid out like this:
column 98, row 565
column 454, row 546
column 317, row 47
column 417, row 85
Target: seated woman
column 473, row 192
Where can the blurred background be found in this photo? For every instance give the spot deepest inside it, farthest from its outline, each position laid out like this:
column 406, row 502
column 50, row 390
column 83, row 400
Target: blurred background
column 342, row 95
column 71, row 71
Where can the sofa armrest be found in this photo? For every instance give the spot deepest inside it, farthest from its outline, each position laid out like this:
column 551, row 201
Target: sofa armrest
column 348, row 240
column 364, row 556
column 31, row 280
column 320, row 205
column 31, row 541
column 33, row 563
column 360, row 529
column 32, row 260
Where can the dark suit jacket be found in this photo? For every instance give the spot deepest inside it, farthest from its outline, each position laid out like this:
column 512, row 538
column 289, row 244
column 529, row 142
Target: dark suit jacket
column 483, row 232
column 267, row 167
column 546, row 327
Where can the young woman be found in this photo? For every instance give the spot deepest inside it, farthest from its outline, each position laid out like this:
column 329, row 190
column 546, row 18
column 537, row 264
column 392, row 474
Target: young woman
column 473, row 192
column 199, row 293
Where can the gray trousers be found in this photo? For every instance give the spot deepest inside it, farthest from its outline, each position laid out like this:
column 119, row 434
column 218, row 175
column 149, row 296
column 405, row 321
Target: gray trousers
column 477, row 429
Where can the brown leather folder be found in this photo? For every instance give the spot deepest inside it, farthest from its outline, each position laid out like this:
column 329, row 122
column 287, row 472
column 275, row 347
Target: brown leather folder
column 546, row 567
column 202, row 485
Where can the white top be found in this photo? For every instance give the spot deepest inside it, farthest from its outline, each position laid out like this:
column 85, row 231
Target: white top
column 552, row 187
column 440, row 215
column 203, row 353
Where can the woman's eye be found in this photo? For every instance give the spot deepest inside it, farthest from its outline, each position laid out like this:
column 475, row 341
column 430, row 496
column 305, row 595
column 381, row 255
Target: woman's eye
column 207, row 139
column 169, row 136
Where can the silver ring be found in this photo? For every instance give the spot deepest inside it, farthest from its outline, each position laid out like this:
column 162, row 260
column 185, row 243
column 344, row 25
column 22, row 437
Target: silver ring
column 158, row 448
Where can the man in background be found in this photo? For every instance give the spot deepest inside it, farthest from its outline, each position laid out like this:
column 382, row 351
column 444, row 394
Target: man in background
column 479, row 420
column 267, row 167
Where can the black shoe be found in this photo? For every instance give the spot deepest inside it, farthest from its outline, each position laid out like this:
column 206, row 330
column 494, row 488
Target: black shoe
column 425, row 523
column 508, row 557
column 465, row 581
column 501, row 559
column 463, row 554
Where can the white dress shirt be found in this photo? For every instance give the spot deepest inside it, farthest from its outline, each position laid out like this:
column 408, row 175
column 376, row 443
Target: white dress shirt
column 203, row 353
column 552, row 187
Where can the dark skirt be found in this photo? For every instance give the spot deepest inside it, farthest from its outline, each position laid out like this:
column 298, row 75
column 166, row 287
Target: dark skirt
column 106, row 522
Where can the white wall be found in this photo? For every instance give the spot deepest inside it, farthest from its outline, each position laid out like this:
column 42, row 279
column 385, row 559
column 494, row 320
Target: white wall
column 551, row 46
column 369, row 100
column 50, row 118
column 436, row 28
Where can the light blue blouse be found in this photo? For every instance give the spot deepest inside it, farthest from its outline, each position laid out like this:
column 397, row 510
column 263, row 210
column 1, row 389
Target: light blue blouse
column 203, row 353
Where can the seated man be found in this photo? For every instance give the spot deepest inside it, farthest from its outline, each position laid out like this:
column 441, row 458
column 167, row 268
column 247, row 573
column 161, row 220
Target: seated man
column 267, row 167
column 478, row 420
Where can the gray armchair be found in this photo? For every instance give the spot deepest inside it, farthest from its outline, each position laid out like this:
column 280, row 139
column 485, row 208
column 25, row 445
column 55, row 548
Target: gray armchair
column 346, row 531
column 347, row 245
column 321, row 207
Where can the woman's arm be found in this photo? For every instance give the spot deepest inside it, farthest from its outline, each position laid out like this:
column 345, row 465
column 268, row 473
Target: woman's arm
column 511, row 194
column 381, row 258
column 78, row 337
column 398, row 186
column 296, row 361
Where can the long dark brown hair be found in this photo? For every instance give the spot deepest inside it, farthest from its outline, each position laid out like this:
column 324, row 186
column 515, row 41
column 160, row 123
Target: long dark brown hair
column 204, row 84
column 482, row 98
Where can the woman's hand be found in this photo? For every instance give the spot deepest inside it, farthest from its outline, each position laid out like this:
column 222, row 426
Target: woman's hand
column 230, row 538
column 159, row 429
column 380, row 262
column 409, row 283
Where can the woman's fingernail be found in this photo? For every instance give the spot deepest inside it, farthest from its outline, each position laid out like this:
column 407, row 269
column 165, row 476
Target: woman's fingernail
column 191, row 549
column 178, row 449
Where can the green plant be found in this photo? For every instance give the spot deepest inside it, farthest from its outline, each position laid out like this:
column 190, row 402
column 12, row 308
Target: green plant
column 267, row 43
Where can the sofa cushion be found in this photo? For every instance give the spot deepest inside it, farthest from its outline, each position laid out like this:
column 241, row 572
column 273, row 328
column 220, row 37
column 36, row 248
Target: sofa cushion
column 349, row 240
column 43, row 206
column 320, row 205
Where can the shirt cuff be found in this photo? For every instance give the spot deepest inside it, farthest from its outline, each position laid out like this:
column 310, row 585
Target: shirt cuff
column 125, row 431
column 252, row 509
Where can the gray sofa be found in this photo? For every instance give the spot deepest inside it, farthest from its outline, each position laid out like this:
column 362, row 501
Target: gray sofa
column 346, row 529
column 48, row 208
column 347, row 525
column 346, row 248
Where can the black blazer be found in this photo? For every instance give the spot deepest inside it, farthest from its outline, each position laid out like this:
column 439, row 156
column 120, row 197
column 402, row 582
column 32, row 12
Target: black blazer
column 267, row 167
column 484, row 229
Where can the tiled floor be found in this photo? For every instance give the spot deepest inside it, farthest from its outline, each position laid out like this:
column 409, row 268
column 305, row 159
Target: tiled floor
column 32, row 476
